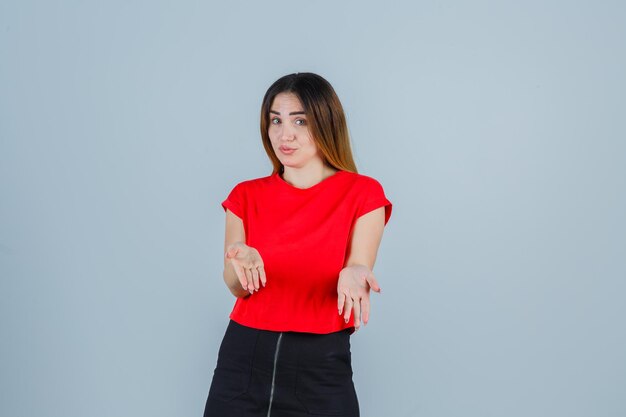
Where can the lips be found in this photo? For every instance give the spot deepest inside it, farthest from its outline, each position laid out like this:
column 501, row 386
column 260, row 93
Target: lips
column 285, row 150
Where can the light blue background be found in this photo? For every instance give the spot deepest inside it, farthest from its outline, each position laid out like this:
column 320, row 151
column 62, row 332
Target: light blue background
column 496, row 128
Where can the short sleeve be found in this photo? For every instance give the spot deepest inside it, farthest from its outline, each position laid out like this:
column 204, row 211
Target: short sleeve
column 373, row 198
column 235, row 201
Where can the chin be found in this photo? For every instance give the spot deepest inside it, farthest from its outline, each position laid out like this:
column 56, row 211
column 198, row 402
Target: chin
column 289, row 163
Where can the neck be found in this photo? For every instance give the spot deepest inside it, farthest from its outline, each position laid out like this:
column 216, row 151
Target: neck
column 307, row 176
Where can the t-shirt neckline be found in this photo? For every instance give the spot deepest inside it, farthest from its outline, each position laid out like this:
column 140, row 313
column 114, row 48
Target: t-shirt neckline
column 313, row 187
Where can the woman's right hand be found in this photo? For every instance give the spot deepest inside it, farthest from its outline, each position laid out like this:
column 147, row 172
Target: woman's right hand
column 247, row 264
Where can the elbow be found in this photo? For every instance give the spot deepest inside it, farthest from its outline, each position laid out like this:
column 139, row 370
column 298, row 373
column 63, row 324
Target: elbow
column 239, row 292
column 235, row 288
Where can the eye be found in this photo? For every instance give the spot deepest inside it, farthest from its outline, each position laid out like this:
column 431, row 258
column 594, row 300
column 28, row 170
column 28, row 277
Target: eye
column 300, row 120
column 274, row 120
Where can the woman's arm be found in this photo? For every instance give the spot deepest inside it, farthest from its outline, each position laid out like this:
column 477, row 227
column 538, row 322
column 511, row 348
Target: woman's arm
column 235, row 232
column 365, row 239
column 356, row 278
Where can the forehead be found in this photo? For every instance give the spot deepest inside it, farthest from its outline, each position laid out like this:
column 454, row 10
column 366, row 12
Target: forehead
column 286, row 101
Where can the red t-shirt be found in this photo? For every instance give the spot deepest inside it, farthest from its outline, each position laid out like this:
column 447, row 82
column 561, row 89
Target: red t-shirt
column 302, row 236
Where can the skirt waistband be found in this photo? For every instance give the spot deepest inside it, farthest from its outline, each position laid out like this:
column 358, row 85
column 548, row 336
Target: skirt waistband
column 297, row 349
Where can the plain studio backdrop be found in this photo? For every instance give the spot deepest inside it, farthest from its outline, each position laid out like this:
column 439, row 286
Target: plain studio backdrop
column 496, row 128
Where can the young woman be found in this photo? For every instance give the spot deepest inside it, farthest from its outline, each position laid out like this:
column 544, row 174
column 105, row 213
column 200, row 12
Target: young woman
column 299, row 249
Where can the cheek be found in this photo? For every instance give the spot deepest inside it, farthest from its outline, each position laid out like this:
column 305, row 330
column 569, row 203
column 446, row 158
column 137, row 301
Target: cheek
column 271, row 132
column 311, row 145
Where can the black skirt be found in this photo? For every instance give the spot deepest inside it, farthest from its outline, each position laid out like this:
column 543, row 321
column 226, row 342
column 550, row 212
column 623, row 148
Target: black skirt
column 282, row 374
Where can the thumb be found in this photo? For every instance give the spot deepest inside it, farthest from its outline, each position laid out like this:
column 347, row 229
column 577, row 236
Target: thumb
column 371, row 280
column 231, row 252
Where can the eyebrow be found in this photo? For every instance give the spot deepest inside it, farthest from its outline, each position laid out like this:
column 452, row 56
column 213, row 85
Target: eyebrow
column 290, row 114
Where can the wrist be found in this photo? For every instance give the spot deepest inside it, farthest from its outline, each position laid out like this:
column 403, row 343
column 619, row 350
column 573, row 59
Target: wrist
column 356, row 265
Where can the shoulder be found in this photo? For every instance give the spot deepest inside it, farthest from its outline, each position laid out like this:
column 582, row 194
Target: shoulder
column 369, row 195
column 362, row 181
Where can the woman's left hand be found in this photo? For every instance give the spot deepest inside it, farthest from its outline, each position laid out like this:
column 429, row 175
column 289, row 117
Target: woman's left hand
column 353, row 289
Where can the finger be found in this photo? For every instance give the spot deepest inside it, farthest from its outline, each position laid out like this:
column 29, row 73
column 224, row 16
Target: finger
column 365, row 309
column 341, row 298
column 255, row 278
column 241, row 275
column 357, row 312
column 250, row 285
column 371, row 280
column 348, row 309
column 262, row 275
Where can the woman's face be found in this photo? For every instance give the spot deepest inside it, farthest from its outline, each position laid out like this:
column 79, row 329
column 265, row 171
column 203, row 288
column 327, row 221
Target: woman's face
column 289, row 132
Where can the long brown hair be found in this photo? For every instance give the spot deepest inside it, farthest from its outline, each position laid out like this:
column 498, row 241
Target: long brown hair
column 325, row 117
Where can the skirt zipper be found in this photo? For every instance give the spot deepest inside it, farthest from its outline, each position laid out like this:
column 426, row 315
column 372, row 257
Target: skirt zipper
column 274, row 373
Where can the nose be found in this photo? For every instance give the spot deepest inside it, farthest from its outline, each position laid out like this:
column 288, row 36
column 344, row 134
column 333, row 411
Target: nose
column 287, row 133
